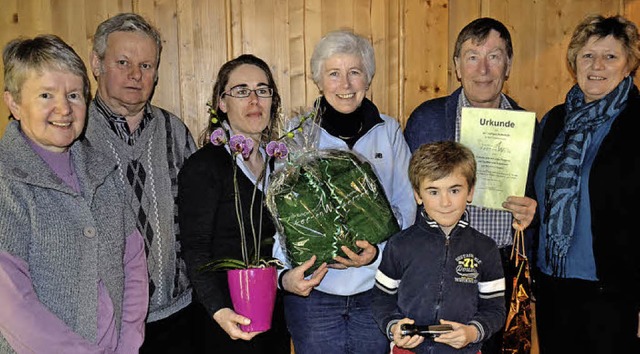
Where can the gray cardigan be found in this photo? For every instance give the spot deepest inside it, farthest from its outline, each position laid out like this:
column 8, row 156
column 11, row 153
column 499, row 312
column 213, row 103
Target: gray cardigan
column 69, row 241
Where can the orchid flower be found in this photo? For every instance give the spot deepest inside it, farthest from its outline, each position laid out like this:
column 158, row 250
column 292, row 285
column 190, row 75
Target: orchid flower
column 218, row 137
column 239, row 144
column 277, row 149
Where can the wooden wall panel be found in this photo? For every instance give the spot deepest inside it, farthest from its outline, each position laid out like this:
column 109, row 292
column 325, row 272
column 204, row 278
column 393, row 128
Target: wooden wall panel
column 202, row 49
column 385, row 35
column 426, row 54
column 297, row 54
column 10, row 28
column 461, row 12
column 413, row 42
column 162, row 13
column 95, row 13
column 313, row 31
column 540, row 32
column 73, row 21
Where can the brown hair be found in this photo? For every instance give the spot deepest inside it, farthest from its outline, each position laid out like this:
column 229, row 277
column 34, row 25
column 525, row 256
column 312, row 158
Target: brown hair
column 218, row 89
column 478, row 30
column 599, row 26
column 438, row 160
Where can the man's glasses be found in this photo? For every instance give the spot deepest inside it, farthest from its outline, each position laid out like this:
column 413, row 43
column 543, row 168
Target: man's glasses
column 244, row 92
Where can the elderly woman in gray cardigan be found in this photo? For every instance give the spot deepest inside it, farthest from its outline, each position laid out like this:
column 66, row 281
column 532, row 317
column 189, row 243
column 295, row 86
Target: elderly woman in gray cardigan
column 73, row 276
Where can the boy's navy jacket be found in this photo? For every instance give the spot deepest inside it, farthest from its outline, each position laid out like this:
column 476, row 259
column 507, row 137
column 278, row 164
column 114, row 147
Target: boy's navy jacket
column 426, row 276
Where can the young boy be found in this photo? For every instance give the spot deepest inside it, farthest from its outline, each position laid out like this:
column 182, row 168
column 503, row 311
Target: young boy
column 441, row 270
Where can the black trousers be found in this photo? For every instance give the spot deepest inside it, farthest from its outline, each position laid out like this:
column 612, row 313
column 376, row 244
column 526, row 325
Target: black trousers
column 578, row 316
column 192, row 331
column 214, row 340
column 178, row 333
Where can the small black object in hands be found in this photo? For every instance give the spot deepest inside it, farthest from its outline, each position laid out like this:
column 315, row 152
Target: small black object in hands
column 431, row 331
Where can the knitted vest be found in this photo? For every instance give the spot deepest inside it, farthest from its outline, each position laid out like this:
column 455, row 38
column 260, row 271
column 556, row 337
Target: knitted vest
column 148, row 173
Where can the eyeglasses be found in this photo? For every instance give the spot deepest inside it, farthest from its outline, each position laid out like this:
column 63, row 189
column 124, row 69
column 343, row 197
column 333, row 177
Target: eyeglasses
column 244, row 92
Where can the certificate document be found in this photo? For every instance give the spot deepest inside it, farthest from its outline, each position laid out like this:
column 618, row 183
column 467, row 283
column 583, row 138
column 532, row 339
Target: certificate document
column 501, row 142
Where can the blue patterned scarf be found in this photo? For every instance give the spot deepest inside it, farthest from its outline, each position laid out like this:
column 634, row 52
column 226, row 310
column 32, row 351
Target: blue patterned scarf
column 566, row 156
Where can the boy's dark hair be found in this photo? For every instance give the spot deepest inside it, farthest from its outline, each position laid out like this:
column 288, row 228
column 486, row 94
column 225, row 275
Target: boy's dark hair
column 478, row 30
column 437, row 160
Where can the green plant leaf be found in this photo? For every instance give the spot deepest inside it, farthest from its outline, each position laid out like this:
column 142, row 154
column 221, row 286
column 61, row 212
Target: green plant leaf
column 223, row 264
column 231, row 263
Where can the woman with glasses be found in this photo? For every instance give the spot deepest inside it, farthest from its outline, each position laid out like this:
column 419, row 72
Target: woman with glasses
column 245, row 101
column 331, row 311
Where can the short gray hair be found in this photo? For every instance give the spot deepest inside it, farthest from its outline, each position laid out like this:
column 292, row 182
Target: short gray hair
column 342, row 42
column 124, row 22
column 21, row 56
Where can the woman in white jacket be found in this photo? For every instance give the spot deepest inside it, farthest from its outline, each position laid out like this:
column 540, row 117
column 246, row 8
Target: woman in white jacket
column 330, row 312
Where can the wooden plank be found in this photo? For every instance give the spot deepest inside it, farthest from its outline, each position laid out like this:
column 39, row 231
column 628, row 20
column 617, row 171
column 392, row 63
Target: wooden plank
column 95, row 13
column 385, row 36
column 461, row 13
column 35, row 16
column 234, row 23
column 313, row 31
column 362, row 12
column 11, row 28
column 337, row 14
column 426, row 43
column 280, row 54
column 162, row 14
column 413, row 42
column 298, row 62
column 370, row 13
column 202, row 47
column 631, row 11
column 70, row 24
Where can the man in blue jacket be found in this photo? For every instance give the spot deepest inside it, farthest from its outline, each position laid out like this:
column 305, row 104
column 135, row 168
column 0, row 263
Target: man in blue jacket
column 482, row 57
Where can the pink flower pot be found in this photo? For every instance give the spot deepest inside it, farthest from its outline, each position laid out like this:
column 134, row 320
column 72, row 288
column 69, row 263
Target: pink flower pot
column 253, row 294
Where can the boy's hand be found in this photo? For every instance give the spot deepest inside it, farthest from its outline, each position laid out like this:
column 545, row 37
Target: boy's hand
column 405, row 341
column 522, row 208
column 461, row 335
column 368, row 254
column 294, row 282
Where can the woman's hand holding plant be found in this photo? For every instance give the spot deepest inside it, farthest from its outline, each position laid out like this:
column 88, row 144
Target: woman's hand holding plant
column 294, row 281
column 229, row 321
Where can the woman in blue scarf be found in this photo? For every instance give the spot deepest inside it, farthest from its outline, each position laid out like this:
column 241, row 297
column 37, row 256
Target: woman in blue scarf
column 586, row 182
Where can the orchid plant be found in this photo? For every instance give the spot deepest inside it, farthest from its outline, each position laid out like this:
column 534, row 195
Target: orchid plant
column 239, row 145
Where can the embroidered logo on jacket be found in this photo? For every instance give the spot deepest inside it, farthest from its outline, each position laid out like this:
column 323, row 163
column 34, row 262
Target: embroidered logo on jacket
column 467, row 268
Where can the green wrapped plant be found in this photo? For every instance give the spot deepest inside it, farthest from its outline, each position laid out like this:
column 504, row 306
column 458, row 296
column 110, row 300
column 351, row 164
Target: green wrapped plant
column 326, row 199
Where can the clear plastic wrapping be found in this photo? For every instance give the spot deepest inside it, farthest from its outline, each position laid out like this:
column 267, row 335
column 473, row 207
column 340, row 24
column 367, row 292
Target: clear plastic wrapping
column 322, row 199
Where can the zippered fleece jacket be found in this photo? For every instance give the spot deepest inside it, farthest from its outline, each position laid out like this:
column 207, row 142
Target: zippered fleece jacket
column 428, row 276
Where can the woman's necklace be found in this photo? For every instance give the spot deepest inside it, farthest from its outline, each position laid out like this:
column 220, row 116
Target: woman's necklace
column 354, row 134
